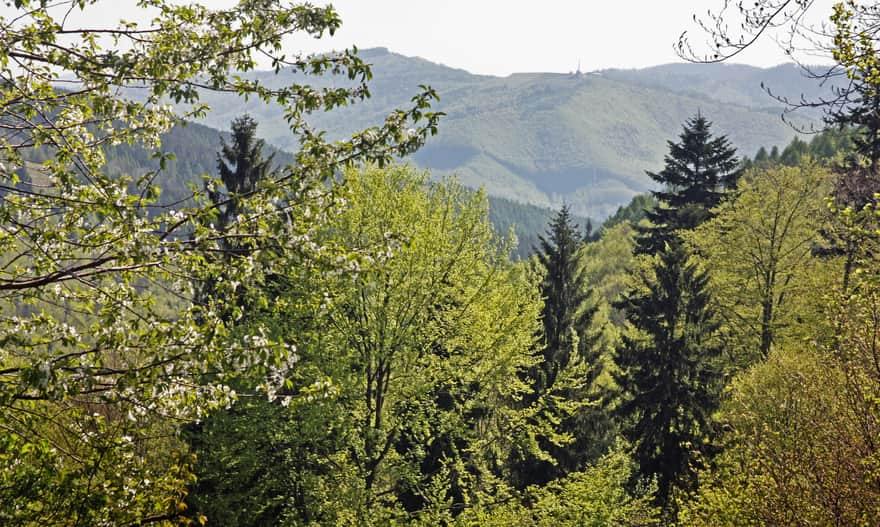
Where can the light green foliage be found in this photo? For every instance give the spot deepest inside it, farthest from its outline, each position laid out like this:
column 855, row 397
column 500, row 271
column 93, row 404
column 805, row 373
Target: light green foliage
column 95, row 369
column 570, row 360
column 854, row 35
column 798, row 451
column 757, row 250
column 435, row 339
column 422, row 352
column 609, row 263
column 634, row 212
column 802, row 427
column 595, row 497
column 781, row 417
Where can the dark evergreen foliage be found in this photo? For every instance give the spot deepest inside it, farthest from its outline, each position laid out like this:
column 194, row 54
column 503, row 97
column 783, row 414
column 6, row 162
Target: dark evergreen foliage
column 794, row 152
column 830, row 146
column 195, row 148
column 241, row 167
column 527, row 221
column 698, row 170
column 569, row 307
column 762, row 157
column 668, row 373
column 861, row 114
column 832, row 142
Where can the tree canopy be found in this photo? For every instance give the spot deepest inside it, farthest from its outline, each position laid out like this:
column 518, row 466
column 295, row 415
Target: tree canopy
column 103, row 348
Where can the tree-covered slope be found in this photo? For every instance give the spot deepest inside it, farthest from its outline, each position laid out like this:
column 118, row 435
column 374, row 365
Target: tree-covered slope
column 551, row 138
column 731, row 83
column 194, row 148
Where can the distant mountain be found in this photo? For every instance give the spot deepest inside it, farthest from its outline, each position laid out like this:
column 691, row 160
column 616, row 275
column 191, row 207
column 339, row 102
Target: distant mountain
column 546, row 139
column 731, row 83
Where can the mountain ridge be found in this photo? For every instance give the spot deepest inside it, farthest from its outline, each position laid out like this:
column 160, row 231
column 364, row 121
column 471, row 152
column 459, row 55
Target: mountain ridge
column 551, row 138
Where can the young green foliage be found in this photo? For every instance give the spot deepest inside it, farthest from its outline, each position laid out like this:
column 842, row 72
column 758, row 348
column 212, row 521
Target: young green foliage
column 94, row 367
column 596, row 496
column 423, row 349
column 758, row 249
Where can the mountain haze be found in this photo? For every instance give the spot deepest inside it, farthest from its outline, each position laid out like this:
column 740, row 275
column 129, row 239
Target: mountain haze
column 547, row 138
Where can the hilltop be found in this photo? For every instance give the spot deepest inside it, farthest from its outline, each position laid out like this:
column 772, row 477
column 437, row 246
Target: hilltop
column 549, row 138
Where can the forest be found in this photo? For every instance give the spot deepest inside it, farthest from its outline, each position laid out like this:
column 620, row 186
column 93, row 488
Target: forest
column 208, row 330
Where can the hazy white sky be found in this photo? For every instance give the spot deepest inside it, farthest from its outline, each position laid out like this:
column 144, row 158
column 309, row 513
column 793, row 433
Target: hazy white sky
column 504, row 36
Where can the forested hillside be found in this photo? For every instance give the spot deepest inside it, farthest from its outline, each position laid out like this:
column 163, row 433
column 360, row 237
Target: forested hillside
column 198, row 328
column 194, row 149
column 736, row 84
column 549, row 139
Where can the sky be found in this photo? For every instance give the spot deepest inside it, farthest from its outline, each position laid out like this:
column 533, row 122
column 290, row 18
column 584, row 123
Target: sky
column 499, row 37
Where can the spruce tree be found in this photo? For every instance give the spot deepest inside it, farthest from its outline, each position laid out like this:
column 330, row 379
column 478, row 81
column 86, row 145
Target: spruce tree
column 241, row 167
column 762, row 158
column 699, row 168
column 570, row 361
column 568, row 306
column 668, row 364
column 794, row 153
column 668, row 373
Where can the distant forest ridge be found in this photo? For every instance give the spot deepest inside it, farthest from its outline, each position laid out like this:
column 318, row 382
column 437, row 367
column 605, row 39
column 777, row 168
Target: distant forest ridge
column 548, row 138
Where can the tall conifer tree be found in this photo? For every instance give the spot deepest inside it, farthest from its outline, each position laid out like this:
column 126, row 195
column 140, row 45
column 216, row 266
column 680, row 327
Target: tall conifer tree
column 699, row 168
column 241, row 166
column 570, row 361
column 668, row 373
column 568, row 306
column 668, row 369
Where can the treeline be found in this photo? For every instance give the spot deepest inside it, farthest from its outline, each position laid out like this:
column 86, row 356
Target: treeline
column 193, row 155
column 527, row 221
column 829, row 146
column 676, row 368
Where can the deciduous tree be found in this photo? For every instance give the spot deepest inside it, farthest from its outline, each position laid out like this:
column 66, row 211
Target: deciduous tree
column 423, row 351
column 758, row 250
column 95, row 372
